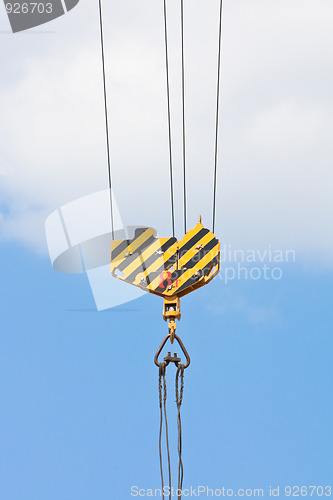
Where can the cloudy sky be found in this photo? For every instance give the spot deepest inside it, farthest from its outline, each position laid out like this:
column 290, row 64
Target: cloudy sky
column 275, row 175
column 78, row 387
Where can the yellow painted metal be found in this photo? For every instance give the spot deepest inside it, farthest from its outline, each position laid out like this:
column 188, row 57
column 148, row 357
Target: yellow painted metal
column 171, row 312
column 167, row 267
column 164, row 266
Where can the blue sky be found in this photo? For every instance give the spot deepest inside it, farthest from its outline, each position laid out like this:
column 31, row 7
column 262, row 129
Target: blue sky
column 80, row 417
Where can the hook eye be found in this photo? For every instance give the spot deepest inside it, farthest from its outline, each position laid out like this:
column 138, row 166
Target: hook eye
column 172, row 359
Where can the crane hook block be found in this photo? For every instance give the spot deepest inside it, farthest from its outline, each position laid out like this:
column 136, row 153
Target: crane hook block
column 165, row 266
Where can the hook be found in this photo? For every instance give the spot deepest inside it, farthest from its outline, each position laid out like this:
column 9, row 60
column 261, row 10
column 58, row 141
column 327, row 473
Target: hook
column 172, row 359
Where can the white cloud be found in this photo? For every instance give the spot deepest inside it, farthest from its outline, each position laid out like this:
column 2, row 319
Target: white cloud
column 276, row 123
column 25, row 226
column 235, row 303
column 287, row 128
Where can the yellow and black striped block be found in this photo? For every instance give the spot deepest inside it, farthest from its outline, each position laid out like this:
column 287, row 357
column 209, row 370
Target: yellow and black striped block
column 164, row 266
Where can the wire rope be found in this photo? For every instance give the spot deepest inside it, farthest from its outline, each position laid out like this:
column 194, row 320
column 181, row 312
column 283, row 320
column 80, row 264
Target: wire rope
column 106, row 118
column 162, row 389
column 217, row 112
column 169, row 117
column 183, row 109
column 179, row 400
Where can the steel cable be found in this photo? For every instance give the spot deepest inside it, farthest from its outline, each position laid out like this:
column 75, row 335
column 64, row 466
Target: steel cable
column 183, row 109
column 167, row 430
column 106, row 117
column 169, row 117
column 217, row 113
column 161, row 427
column 179, row 400
column 162, row 402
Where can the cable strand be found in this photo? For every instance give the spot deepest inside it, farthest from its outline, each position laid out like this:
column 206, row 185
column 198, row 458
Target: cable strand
column 161, row 427
column 183, row 109
column 106, row 117
column 217, row 112
column 179, row 400
column 166, row 430
column 169, row 117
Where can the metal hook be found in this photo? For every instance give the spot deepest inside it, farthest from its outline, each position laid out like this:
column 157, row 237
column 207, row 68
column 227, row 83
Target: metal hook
column 172, row 359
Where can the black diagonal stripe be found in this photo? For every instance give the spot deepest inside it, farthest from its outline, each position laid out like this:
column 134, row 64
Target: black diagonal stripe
column 213, row 262
column 131, row 258
column 125, row 243
column 148, row 262
column 153, row 275
column 194, row 261
column 193, row 241
column 139, row 231
column 193, row 279
column 120, row 248
column 173, row 258
column 201, row 253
